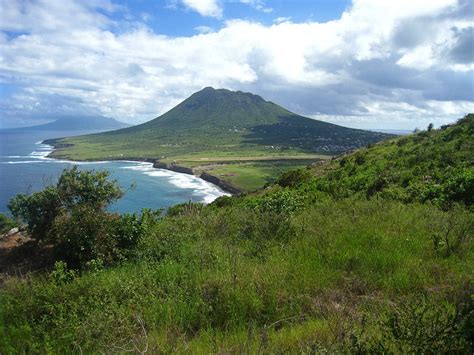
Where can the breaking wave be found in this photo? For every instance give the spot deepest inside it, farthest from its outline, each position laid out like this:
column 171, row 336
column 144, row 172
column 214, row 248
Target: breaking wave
column 204, row 190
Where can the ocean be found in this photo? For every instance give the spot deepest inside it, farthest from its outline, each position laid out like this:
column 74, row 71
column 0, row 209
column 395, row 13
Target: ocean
column 25, row 168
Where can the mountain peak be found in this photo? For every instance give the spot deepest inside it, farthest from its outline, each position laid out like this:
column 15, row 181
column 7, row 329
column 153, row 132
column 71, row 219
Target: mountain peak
column 207, row 88
column 211, row 95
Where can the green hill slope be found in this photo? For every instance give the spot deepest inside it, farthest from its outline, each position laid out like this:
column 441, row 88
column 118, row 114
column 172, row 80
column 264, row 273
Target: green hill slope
column 338, row 258
column 436, row 165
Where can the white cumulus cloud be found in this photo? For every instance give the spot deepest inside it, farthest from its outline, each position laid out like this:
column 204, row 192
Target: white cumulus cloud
column 381, row 64
column 211, row 8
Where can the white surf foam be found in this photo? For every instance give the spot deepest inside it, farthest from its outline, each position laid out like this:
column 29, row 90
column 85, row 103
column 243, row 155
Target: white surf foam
column 22, row 162
column 42, row 152
column 204, row 190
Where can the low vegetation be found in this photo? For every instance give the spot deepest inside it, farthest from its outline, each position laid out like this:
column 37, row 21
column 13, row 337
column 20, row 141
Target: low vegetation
column 6, row 224
column 305, row 265
column 250, row 176
column 432, row 166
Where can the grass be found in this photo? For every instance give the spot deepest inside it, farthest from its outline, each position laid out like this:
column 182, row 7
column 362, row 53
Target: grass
column 250, row 176
column 216, row 157
column 216, row 281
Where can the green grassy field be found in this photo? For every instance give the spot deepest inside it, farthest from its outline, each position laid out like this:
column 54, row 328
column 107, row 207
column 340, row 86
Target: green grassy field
column 250, row 176
column 247, row 173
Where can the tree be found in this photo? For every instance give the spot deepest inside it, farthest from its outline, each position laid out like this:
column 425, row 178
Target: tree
column 430, row 127
column 38, row 211
column 90, row 189
column 72, row 216
column 293, row 178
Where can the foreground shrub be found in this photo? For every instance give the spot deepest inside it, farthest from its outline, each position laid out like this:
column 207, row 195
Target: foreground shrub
column 282, row 201
column 6, row 223
column 72, row 216
column 89, row 189
column 420, row 326
column 85, row 237
column 38, row 211
column 293, row 178
column 452, row 232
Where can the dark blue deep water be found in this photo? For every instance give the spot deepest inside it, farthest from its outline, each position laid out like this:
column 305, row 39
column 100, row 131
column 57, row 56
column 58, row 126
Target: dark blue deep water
column 25, row 168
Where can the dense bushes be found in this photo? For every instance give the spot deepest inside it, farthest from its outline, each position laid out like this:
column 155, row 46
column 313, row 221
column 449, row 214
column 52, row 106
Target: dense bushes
column 416, row 326
column 38, row 210
column 293, row 178
column 83, row 235
column 71, row 216
column 6, row 223
column 459, row 186
column 88, row 190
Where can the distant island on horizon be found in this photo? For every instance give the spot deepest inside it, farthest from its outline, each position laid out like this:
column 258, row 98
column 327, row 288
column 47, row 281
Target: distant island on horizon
column 76, row 123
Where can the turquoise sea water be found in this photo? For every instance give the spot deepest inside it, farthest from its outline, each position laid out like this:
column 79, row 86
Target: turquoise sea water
column 25, row 168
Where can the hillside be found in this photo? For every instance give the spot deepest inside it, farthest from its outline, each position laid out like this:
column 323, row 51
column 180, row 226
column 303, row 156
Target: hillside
column 349, row 256
column 222, row 126
column 436, row 166
column 79, row 123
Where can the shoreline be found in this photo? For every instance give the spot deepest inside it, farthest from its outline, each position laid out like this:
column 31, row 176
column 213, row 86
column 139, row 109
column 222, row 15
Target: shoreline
column 204, row 176
column 226, row 187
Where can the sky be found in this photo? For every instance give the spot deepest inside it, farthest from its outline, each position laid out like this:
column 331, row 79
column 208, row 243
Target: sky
column 362, row 63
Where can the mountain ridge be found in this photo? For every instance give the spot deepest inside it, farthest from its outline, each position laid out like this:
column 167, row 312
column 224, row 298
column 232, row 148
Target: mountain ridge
column 78, row 123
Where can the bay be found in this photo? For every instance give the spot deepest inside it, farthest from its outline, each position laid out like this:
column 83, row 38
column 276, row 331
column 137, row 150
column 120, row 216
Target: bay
column 25, row 168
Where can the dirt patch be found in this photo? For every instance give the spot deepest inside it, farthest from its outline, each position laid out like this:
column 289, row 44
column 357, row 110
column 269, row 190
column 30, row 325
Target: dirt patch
column 21, row 255
column 12, row 240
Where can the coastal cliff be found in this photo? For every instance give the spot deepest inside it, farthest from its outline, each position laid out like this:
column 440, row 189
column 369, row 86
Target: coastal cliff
column 222, row 184
column 173, row 167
